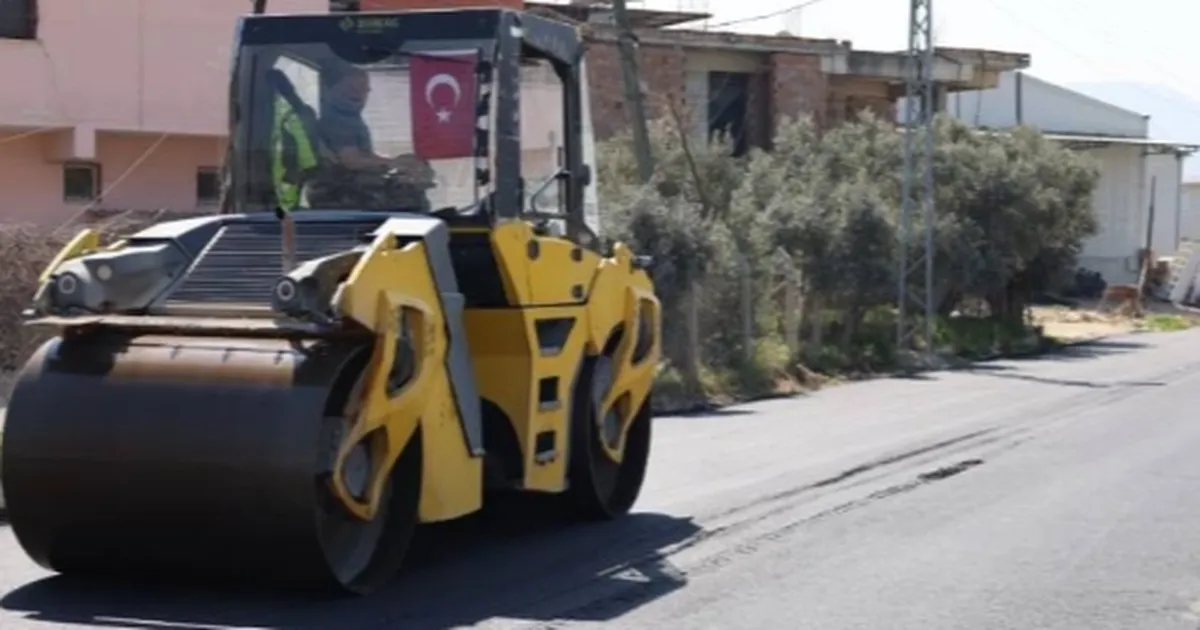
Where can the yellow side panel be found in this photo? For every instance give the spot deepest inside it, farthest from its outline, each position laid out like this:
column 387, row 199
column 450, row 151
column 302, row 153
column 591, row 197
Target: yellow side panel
column 508, row 369
column 503, row 367
column 509, row 241
column 542, row 270
column 619, row 294
column 452, row 482
column 564, row 271
column 563, row 366
column 552, row 278
column 606, row 306
column 384, row 282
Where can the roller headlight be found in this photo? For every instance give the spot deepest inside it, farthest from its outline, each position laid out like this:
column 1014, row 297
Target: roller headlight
column 66, row 284
column 286, row 292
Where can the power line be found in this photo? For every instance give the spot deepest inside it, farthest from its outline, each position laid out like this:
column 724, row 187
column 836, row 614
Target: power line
column 1146, row 91
column 766, row 16
column 1055, row 41
column 1106, row 36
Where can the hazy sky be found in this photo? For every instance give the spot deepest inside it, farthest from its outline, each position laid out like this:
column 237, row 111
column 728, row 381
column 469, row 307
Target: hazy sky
column 1069, row 40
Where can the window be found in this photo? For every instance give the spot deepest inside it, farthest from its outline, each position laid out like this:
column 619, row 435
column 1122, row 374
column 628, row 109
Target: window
column 542, row 150
column 81, row 182
column 18, row 19
column 727, row 108
column 208, row 186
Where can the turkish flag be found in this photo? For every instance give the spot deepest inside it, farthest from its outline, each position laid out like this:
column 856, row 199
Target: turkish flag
column 443, row 94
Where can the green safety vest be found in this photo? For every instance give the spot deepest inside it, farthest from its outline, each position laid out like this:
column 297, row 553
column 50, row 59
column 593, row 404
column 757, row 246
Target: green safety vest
column 292, row 154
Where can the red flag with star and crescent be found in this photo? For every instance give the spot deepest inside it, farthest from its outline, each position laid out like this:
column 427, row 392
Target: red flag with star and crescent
column 443, row 104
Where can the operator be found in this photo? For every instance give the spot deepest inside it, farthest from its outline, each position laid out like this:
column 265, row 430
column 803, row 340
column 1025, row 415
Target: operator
column 346, row 133
column 293, row 156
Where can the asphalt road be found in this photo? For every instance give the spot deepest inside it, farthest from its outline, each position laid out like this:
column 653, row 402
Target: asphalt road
column 1050, row 493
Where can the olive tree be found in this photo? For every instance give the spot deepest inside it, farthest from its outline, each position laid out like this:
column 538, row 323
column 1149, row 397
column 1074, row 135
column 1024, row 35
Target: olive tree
column 1012, row 212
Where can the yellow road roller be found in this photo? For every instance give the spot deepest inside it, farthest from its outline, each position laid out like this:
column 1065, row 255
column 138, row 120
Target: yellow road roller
column 399, row 310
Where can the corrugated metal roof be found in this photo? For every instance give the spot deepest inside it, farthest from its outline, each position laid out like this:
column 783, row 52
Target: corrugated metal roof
column 1186, row 147
column 1190, row 147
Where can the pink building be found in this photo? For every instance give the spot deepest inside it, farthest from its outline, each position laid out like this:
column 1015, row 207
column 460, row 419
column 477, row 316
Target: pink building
column 114, row 104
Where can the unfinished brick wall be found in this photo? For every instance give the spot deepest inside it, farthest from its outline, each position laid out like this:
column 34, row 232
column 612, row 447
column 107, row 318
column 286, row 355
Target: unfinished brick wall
column 662, row 71
column 793, row 85
column 882, row 107
column 798, row 87
column 607, row 91
column 759, row 131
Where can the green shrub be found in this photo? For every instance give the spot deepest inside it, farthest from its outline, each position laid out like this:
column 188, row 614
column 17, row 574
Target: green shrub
column 821, row 213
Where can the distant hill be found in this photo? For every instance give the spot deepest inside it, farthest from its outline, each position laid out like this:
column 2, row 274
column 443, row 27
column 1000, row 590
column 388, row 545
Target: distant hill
column 1174, row 116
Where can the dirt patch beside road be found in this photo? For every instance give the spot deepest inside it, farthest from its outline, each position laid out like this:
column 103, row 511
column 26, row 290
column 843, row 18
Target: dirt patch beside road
column 1080, row 324
column 1087, row 321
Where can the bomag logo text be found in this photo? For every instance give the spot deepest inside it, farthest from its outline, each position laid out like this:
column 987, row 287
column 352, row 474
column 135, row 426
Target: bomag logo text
column 369, row 24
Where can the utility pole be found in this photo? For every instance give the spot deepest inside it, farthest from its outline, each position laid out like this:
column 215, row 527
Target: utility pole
column 633, row 90
column 921, row 103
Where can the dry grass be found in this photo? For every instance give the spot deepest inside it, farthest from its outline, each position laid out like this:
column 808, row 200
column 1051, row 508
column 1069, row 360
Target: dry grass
column 25, row 251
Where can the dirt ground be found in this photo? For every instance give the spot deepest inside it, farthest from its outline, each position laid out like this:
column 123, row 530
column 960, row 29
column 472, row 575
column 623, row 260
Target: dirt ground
column 1090, row 321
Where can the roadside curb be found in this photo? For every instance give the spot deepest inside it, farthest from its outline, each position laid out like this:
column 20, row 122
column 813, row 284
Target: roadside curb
column 1048, row 348
column 691, row 409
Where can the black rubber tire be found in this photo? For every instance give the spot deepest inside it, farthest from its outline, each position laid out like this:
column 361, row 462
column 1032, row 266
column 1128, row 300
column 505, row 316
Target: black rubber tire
column 599, row 488
column 398, row 514
column 372, row 558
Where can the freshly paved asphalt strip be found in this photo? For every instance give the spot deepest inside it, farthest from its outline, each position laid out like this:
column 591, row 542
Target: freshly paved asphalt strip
column 1046, row 493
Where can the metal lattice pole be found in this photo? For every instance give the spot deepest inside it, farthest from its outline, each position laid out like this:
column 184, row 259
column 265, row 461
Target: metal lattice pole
column 920, row 104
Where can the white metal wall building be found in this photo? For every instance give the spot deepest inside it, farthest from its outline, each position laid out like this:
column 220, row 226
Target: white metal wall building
column 1190, row 228
column 1131, row 164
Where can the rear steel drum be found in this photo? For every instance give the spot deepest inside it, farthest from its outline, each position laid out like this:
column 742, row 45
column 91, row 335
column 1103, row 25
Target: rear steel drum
column 194, row 457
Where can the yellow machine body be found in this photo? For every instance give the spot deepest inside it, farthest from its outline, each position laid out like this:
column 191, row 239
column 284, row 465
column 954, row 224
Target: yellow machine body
column 530, row 388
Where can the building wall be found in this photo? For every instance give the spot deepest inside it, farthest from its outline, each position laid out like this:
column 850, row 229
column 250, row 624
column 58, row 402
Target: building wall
column 1049, row 107
column 1122, row 202
column 798, row 87
column 791, row 85
column 1164, row 172
column 100, row 84
column 134, row 175
column 1119, row 203
column 663, row 71
column 850, row 95
column 1190, row 222
column 126, row 65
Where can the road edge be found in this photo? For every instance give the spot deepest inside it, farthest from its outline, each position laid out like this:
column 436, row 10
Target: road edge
column 1049, row 347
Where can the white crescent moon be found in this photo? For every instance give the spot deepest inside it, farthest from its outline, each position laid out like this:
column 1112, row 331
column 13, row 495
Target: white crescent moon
column 439, row 80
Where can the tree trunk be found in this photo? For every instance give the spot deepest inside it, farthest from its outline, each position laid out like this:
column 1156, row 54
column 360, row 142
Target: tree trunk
column 850, row 325
column 690, row 366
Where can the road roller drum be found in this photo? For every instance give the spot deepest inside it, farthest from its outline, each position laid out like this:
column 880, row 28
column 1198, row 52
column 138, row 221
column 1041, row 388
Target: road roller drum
column 206, row 455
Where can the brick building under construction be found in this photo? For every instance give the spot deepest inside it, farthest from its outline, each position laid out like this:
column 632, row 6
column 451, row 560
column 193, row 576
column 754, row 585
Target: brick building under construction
column 743, row 84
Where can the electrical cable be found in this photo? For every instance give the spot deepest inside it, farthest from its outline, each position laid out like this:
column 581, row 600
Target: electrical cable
column 117, row 182
column 1055, row 41
column 765, row 16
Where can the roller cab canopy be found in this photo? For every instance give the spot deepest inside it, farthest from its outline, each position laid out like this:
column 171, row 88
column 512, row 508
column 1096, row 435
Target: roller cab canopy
column 441, row 88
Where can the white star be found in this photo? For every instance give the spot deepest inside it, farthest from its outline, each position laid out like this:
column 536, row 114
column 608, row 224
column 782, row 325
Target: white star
column 443, row 115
